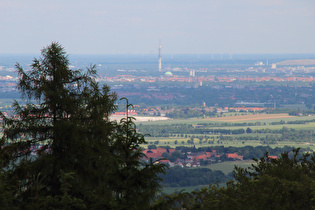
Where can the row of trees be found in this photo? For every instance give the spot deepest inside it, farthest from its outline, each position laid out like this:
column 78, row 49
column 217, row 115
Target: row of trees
column 167, row 130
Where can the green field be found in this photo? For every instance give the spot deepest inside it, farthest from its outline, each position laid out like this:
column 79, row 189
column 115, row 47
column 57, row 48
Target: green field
column 295, row 106
column 228, row 166
column 264, row 120
column 226, row 143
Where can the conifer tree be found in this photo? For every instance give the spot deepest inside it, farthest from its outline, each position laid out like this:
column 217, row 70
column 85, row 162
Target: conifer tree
column 60, row 150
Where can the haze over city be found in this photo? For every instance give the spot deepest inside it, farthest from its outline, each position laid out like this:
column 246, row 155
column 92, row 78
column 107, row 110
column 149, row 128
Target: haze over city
column 135, row 27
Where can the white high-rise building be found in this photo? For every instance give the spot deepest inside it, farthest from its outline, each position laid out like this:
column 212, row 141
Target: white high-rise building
column 160, row 57
column 192, row 72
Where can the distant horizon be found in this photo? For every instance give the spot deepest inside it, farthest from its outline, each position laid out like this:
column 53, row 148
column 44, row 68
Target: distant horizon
column 150, row 61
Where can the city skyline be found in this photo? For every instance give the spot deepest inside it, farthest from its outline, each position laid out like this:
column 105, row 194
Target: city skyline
column 135, row 27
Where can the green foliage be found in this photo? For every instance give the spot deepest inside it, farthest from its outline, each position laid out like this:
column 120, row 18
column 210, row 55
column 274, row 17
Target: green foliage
column 188, row 113
column 249, row 130
column 280, row 183
column 62, row 152
column 181, row 177
column 180, row 129
column 284, row 183
column 176, row 201
column 152, row 146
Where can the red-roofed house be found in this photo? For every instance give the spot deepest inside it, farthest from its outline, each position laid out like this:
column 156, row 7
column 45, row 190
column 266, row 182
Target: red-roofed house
column 234, row 156
column 208, row 154
column 160, row 149
column 152, row 153
column 200, row 157
column 156, row 153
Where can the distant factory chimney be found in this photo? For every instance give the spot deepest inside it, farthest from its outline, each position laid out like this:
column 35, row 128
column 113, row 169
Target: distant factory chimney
column 160, row 57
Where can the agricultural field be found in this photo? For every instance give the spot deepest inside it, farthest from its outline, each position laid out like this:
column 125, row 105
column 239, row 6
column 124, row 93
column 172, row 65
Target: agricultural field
column 277, row 128
column 228, row 166
column 265, row 129
column 252, row 117
column 226, row 143
column 241, row 117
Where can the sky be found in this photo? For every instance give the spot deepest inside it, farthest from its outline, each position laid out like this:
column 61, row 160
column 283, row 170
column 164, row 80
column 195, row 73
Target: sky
column 136, row 26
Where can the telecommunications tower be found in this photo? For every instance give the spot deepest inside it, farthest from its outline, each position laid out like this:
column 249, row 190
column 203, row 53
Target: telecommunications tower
column 160, row 57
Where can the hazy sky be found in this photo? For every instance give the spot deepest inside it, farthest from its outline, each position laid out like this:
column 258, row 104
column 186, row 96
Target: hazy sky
column 135, row 26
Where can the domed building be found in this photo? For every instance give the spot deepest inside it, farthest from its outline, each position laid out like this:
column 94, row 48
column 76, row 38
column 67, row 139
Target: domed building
column 168, row 74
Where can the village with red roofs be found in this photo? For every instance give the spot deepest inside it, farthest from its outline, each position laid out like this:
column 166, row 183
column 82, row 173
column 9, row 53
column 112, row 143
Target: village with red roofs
column 189, row 159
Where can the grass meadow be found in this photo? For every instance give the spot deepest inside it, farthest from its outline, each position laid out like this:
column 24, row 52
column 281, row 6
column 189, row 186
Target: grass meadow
column 228, row 166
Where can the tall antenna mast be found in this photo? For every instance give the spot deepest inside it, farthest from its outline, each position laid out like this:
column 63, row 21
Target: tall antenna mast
column 160, row 56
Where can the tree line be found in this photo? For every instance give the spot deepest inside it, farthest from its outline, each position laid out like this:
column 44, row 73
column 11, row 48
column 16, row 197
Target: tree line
column 182, row 177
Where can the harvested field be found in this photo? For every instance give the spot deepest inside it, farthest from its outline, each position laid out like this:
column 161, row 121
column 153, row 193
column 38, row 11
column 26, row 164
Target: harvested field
column 253, row 117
